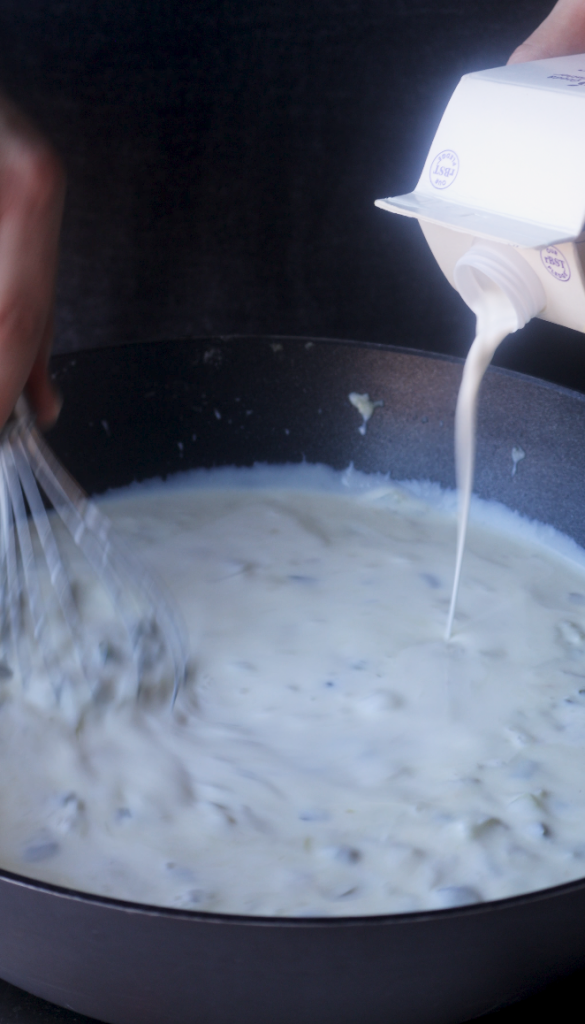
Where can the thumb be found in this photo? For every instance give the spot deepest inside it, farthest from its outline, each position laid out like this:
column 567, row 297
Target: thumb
column 560, row 34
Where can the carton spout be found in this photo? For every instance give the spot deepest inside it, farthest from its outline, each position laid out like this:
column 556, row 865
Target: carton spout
column 486, row 265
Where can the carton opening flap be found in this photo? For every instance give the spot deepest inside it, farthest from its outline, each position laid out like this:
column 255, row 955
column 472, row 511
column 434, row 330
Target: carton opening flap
column 480, row 223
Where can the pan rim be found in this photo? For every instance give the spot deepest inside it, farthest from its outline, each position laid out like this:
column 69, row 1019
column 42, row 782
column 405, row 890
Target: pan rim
column 407, row 350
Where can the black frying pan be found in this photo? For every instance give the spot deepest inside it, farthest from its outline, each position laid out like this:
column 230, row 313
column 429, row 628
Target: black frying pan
column 285, row 399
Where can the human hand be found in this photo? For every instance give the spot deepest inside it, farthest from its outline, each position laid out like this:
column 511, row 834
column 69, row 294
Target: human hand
column 32, row 190
column 560, row 34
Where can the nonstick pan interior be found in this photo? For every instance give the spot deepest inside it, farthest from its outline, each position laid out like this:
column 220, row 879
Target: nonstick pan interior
column 149, row 410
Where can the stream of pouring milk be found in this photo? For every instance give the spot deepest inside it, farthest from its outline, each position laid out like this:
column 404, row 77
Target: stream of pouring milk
column 495, row 320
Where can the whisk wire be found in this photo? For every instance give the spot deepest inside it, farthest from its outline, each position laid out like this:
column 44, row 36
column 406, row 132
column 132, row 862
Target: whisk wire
column 27, row 558
column 11, row 589
column 92, row 532
column 28, row 573
column 28, row 469
column 57, row 573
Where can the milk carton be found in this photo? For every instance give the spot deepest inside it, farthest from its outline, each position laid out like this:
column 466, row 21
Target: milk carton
column 502, row 191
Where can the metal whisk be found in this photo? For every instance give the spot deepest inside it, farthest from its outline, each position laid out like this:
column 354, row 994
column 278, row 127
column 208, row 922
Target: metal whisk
column 45, row 630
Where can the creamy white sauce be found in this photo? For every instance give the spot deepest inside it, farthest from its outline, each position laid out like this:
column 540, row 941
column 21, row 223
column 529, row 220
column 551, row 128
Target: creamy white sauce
column 365, row 406
column 330, row 754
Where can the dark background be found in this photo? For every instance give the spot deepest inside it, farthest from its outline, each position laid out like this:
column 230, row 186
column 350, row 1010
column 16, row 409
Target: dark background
column 224, row 156
column 223, row 159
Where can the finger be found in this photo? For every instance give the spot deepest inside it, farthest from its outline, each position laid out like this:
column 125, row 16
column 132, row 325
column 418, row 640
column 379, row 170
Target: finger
column 560, row 34
column 42, row 394
column 31, row 196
